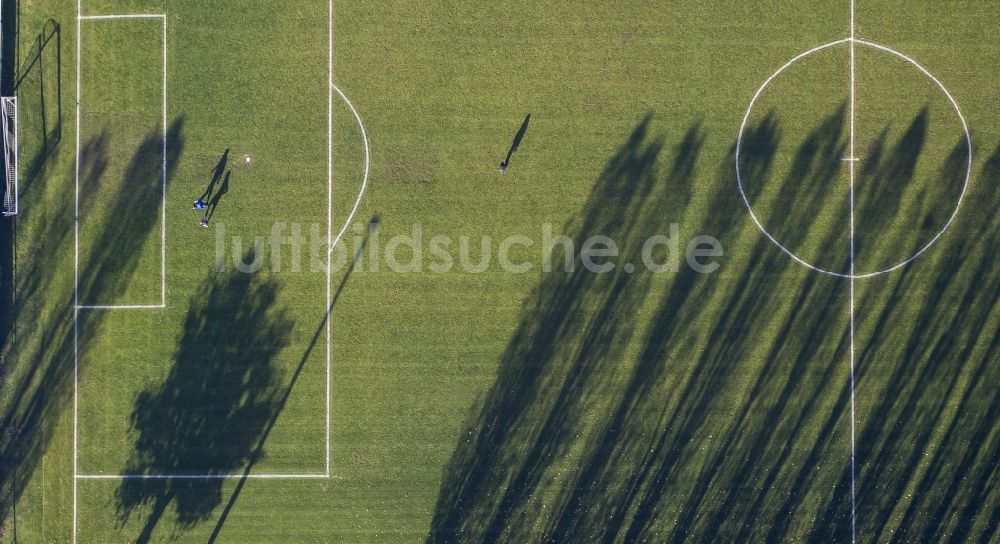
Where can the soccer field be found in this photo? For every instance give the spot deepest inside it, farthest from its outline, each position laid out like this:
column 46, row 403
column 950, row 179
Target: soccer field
column 734, row 280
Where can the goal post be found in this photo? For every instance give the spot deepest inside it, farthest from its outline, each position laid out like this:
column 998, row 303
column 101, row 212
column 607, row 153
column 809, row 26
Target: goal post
column 8, row 112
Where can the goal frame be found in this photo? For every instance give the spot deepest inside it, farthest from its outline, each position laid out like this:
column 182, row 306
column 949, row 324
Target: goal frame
column 8, row 113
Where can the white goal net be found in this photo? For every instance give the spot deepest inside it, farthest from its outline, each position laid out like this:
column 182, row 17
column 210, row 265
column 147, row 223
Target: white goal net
column 8, row 111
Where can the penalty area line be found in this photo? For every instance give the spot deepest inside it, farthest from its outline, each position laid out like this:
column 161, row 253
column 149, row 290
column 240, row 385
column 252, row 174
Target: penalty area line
column 853, row 272
column 329, row 231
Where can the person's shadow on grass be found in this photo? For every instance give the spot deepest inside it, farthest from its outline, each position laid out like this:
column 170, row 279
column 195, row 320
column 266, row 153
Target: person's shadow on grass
column 217, row 172
column 223, row 189
column 517, row 141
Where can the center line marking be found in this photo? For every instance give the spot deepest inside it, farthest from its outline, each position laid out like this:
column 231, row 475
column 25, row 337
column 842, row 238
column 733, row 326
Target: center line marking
column 853, row 159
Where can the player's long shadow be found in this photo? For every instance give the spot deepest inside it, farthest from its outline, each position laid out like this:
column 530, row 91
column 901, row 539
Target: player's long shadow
column 45, row 362
column 516, row 142
column 217, row 172
column 258, row 450
column 211, row 411
column 217, row 197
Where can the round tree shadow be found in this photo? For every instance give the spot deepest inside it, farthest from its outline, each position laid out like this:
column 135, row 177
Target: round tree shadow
column 208, row 415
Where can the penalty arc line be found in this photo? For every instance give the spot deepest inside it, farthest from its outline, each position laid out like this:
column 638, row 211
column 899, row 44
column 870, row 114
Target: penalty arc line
column 332, row 242
column 364, row 181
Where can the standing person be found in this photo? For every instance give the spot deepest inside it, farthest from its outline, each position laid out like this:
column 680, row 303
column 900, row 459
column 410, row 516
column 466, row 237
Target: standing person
column 503, row 167
column 199, row 205
column 203, row 222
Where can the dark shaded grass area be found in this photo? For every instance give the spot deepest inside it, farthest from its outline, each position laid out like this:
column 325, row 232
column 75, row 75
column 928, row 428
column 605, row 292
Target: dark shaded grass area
column 39, row 87
column 213, row 413
column 212, row 409
column 39, row 79
column 44, row 390
column 948, row 353
column 692, row 442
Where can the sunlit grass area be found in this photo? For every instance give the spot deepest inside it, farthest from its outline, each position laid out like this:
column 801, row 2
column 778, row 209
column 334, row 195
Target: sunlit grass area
column 795, row 342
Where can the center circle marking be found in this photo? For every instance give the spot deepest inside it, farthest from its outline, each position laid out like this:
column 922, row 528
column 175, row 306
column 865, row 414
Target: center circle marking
column 958, row 111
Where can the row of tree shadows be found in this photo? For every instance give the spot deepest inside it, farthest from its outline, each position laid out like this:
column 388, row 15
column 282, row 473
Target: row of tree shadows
column 724, row 414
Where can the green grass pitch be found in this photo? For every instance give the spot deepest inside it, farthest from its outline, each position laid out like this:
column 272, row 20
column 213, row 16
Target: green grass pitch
column 831, row 378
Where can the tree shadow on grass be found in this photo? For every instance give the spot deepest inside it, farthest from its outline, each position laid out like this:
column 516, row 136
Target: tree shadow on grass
column 258, row 450
column 39, row 88
column 45, row 359
column 927, row 463
column 46, row 47
column 135, row 211
column 574, row 323
column 726, row 420
column 208, row 415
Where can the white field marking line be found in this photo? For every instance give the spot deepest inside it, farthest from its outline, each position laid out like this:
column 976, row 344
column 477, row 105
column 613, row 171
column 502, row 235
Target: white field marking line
column 364, row 181
column 329, row 220
column 968, row 143
column 76, row 273
column 163, row 181
column 347, row 223
column 123, row 16
column 851, row 163
column 163, row 190
column 302, row 476
column 958, row 205
column 124, row 307
column 77, row 307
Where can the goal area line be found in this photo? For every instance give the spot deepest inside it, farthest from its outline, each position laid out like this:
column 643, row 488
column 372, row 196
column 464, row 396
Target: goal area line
column 163, row 173
column 251, row 476
column 123, row 16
